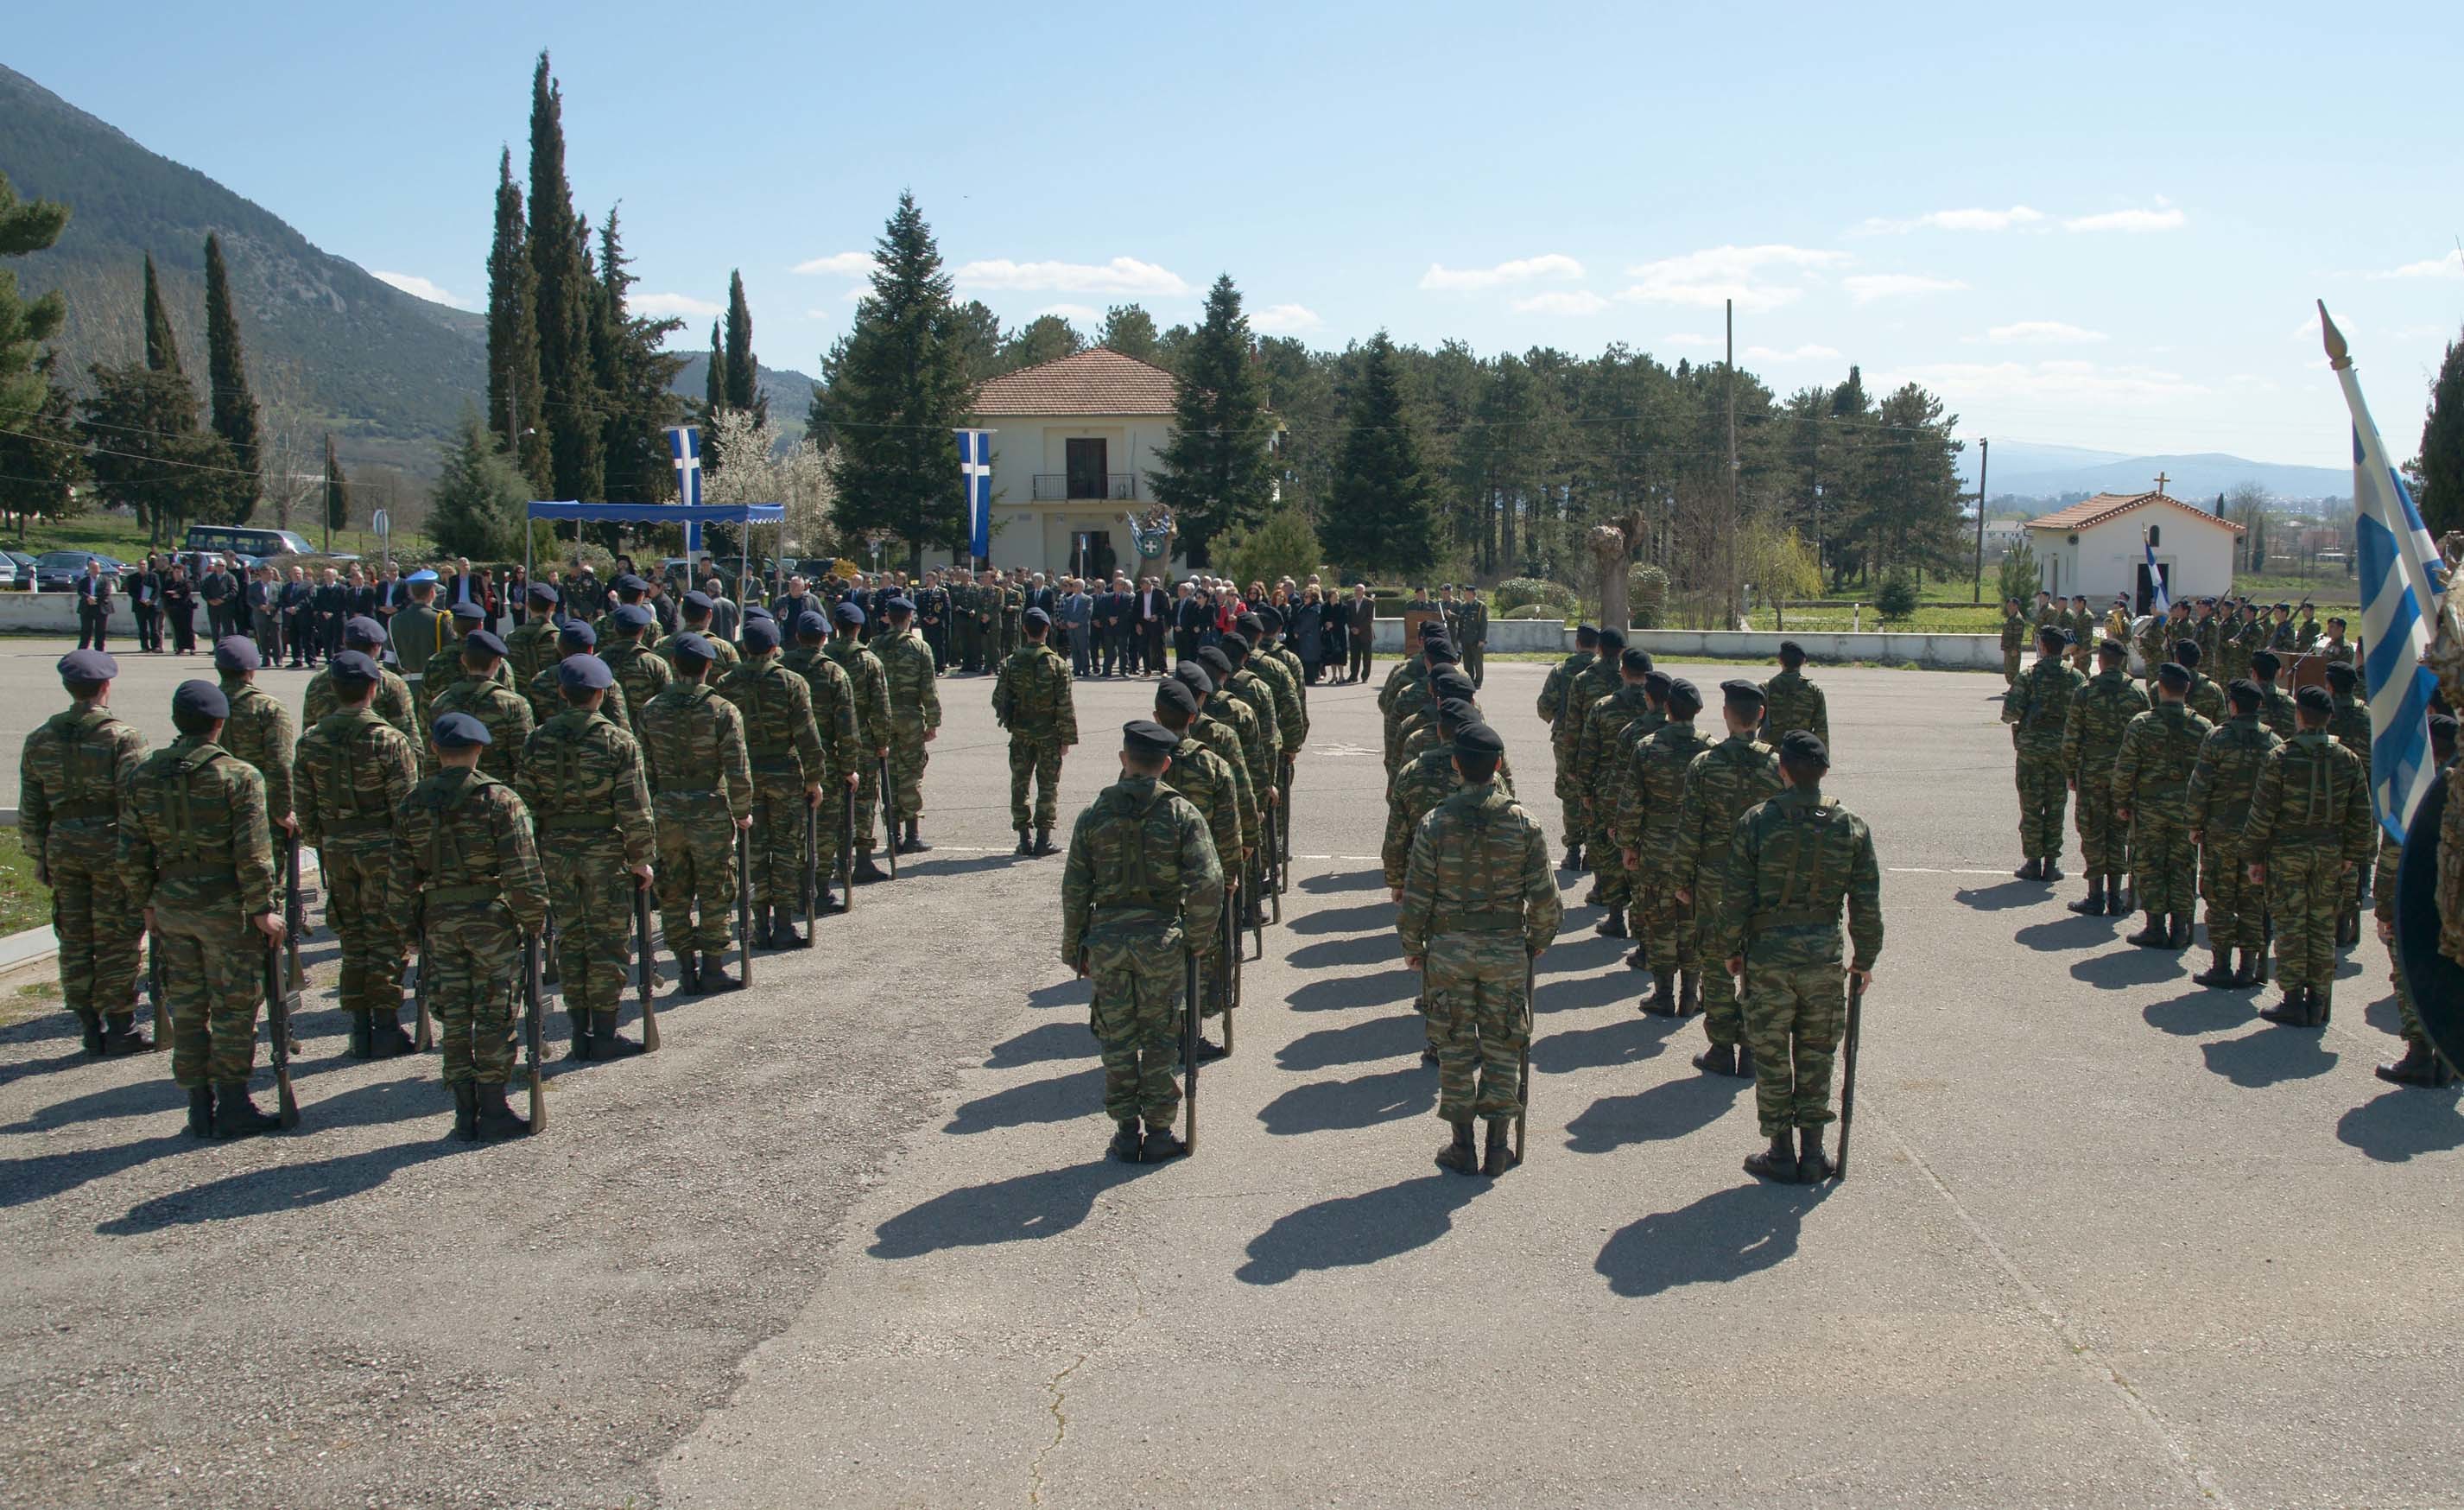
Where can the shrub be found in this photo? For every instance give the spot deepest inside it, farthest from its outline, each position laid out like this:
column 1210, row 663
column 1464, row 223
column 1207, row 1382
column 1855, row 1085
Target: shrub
column 1898, row 598
column 1529, row 611
column 1646, row 590
column 1516, row 592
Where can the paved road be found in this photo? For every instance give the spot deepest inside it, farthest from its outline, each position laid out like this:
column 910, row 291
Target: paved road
column 848, row 1239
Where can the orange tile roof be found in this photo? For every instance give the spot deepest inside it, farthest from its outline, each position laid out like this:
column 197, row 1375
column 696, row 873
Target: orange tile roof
column 1095, row 381
column 2106, row 505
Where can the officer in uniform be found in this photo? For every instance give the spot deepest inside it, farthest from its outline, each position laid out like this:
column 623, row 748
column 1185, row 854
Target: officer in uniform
column 197, row 855
column 1646, row 827
column 1797, row 858
column 476, row 892
column 1211, row 784
column 2221, row 784
column 1471, row 635
column 2037, row 709
column 2091, row 737
column 1480, row 905
column 701, row 784
column 788, row 766
column 638, row 669
column 1557, row 710
column 581, row 779
column 1720, row 784
column 419, row 633
column 2308, row 833
column 1138, row 893
column 353, row 771
column 2151, row 783
column 546, row 690
column 70, row 775
column 914, row 719
column 483, row 695
column 1795, row 702
column 1031, row 698
column 392, row 702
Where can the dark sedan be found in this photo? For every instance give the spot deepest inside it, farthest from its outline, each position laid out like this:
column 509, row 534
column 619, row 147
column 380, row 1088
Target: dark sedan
column 59, row 571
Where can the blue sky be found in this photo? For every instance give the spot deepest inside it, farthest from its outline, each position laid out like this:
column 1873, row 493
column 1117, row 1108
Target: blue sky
column 2099, row 226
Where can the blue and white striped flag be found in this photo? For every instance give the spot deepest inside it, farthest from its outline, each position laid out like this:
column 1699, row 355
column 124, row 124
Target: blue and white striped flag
column 976, row 478
column 684, row 445
column 2404, row 586
column 2161, row 601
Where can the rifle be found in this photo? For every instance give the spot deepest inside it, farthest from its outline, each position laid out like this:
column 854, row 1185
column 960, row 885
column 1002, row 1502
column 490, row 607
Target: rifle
column 888, row 815
column 1848, row 1073
column 1189, row 1041
column 1283, row 876
column 1231, row 940
column 1523, row 1079
column 744, row 905
column 531, row 1013
column 277, row 1032
column 644, row 970
column 847, row 849
column 1277, row 837
column 295, row 912
column 812, row 869
column 423, row 1038
column 159, row 988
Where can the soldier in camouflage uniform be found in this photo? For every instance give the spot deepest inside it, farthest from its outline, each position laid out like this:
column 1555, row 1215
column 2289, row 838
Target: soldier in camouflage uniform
column 1599, row 751
column 196, row 855
column 591, row 807
column 1421, row 734
column 1225, row 740
column 868, row 693
column 702, row 787
column 1281, row 670
column 696, row 608
column 1258, row 759
column 546, row 690
column 1559, row 711
column 1031, row 698
column 1797, row 858
column 2335, row 647
column 474, row 893
column 2205, row 698
column 1427, row 779
column 1647, row 827
column 1211, row 784
column 2015, row 634
column 835, row 720
column 70, row 774
column 392, row 702
column 2221, row 784
column 1721, row 783
column 2151, row 783
column 2156, row 642
column 1393, row 707
column 637, row 668
column 2036, row 708
column 2275, row 704
column 530, row 648
column 915, row 719
column 483, row 695
column 2092, row 732
column 1480, row 906
column 1795, row 702
column 1599, row 679
column 353, row 771
column 1140, row 892
column 258, row 731
column 1470, row 634
column 2422, row 1064
column 788, row 767
column 2308, row 831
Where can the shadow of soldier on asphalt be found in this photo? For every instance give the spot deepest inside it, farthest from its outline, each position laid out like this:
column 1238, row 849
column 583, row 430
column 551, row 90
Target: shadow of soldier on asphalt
column 2256, row 1060
column 1365, row 1102
column 2404, row 1125
column 24, row 1181
column 1354, row 1229
column 1377, row 917
column 1629, row 1041
column 1019, row 1208
column 56, row 1026
column 154, row 1094
column 1368, row 948
column 1054, row 1040
column 1076, row 991
column 1061, row 1098
column 2070, row 931
column 1377, row 1039
column 282, row 1186
column 2003, row 897
column 1671, row 1109
column 1380, row 989
column 1342, row 881
column 2203, row 1010
column 2129, row 966
column 1725, row 1236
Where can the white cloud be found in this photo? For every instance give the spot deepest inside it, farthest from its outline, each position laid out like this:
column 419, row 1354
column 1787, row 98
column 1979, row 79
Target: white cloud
column 1576, row 302
column 1707, row 278
column 1080, row 313
column 2043, row 333
column 1521, row 270
column 1122, row 274
column 1963, row 384
column 1283, row 320
column 820, row 314
column 2452, row 265
column 2425, row 332
column 1955, row 220
column 1687, row 339
column 1867, row 288
column 1804, row 353
column 839, row 264
column 418, row 287
column 663, row 306
column 2166, row 218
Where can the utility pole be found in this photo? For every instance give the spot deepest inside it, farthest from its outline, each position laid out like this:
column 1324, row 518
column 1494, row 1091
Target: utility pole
column 1984, row 456
column 1736, row 519
column 329, row 493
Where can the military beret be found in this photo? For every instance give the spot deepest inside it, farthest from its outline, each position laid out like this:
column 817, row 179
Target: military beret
column 760, row 634
column 2053, row 634
column 200, row 699
column 1658, row 683
column 634, row 617
column 1684, row 698
column 1738, row 693
column 1039, row 618
column 467, row 610
column 2284, row 607
column 755, row 611
column 1802, row 745
column 1440, row 653
column 2175, row 674
column 1791, row 650
column 542, row 592
column 1236, row 647
column 2315, row 700
column 1194, row 677
column 698, row 648
column 89, row 666
column 2264, row 663
column 1217, row 663
column 2112, row 646
column 1429, row 642
column 583, row 672
column 354, row 668
column 362, row 629
column 2187, row 652
column 1447, row 682
column 627, row 582
column 1635, row 658
column 848, row 613
column 423, row 574
column 236, row 652
column 576, row 635
column 1147, row 737
column 2243, row 692
column 699, row 602
column 1478, row 741
column 810, row 625
column 1175, row 695
column 2337, row 619
column 897, row 606
column 2340, row 674
column 482, row 639
column 1250, row 624
column 459, row 732
column 1458, row 711
column 1432, row 629
column 1613, row 639
column 1271, row 617
column 1586, row 635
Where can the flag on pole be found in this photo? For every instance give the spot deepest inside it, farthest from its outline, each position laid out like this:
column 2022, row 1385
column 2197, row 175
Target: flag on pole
column 2403, row 588
column 975, row 479
column 684, row 445
column 2161, row 601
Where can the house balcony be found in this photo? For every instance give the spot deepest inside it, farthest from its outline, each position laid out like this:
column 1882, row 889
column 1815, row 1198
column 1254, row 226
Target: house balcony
column 1073, row 487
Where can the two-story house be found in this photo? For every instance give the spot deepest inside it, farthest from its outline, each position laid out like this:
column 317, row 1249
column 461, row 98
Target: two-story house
column 1073, row 441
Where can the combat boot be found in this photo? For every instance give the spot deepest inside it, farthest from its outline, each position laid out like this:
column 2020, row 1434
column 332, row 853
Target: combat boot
column 119, row 1035
column 2034, row 870
column 1025, row 845
column 1812, row 1164
column 1456, row 1155
column 2091, row 905
column 578, row 1041
column 826, row 904
column 1637, row 960
column 2120, row 900
column 1612, row 926
column 913, row 843
column 1777, row 1162
column 1574, row 860
column 2322, row 1006
column 2219, row 974
column 236, row 1116
column 2052, row 871
column 1500, row 1154
column 1044, row 844
column 2294, row 1011
column 1125, row 1142
column 1209, row 1050
column 782, row 930
column 866, row 873
column 465, row 1110
column 1592, row 898
column 2260, row 965
column 201, row 1111
column 1691, row 1002
column 604, row 1042
column 714, row 979
column 1663, row 1000
column 386, row 1037
column 2417, row 1067
column 2180, row 932
column 359, row 1035
column 1745, row 1061
column 497, row 1120
column 1160, row 1145
column 1719, row 1058
column 2251, row 972
column 95, row 1046
column 2155, row 935
column 688, row 978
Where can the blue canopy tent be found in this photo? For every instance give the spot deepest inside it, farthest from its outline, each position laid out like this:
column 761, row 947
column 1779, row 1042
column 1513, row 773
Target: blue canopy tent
column 693, row 518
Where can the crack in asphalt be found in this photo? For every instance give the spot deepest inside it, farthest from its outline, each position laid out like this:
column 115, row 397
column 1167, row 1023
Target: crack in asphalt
column 1058, row 1403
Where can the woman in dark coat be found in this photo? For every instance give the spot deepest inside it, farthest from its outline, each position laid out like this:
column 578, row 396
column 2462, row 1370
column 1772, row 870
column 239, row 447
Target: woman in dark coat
column 1309, row 634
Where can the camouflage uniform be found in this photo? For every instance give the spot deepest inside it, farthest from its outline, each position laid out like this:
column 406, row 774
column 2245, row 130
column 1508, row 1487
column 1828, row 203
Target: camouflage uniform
column 2015, row 634
column 869, row 699
column 2349, row 725
column 419, row 635
column 259, row 732
column 506, row 714
column 2221, row 784
column 1647, row 823
column 2100, row 711
column 915, row 711
column 195, row 846
column 474, row 891
column 701, row 782
column 785, row 751
column 2155, row 643
column 2276, row 711
column 393, row 702
column 2152, row 775
column 1013, row 612
column 1141, row 888
column 1792, row 702
column 70, row 775
column 1558, row 707
column 354, row 770
column 725, row 656
column 835, row 720
column 1794, row 859
column 531, row 647
column 1468, row 626
column 2206, row 698
column 2309, row 821
column 2036, row 707
column 547, row 700
column 1721, row 783
column 1480, row 901
column 1031, row 698
column 1225, row 740
column 1212, row 785
column 1597, row 770
column 590, row 807
column 643, row 674
column 1407, row 692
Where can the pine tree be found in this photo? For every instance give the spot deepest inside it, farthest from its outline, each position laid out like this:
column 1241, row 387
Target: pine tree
column 631, row 373
column 1129, row 330
column 1215, row 470
column 233, row 406
column 891, row 392
column 42, row 455
column 559, row 250
column 1381, row 513
column 1046, row 337
column 977, row 333
column 26, row 226
column 2442, row 447
column 476, row 507
column 161, row 347
column 513, row 334
column 743, row 369
column 148, row 455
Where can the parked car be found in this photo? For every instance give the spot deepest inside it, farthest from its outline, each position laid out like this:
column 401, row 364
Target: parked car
column 57, row 570
column 260, row 544
column 16, row 571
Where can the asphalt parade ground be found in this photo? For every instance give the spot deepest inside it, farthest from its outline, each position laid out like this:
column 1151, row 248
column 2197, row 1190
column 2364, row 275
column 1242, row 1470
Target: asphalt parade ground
column 850, row 1238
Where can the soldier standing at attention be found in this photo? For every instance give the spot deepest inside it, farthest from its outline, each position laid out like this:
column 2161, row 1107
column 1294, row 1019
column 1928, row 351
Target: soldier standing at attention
column 1140, row 892
column 2014, row 639
column 1211, row 784
column 581, row 780
column 788, row 763
column 2309, row 831
column 835, row 720
column 2083, row 629
column 2152, row 782
column 701, row 786
column 475, row 893
column 914, row 719
column 546, row 690
column 696, row 611
column 1031, row 698
column 1795, row 702
column 1225, row 740
column 392, row 700
column 1599, row 758
column 1557, row 696
column 419, row 632
column 1410, row 668
column 2221, row 784
column 1247, row 687
column 639, row 670
column 2036, row 708
column 1647, row 825
column 869, row 691
column 1721, row 783
column 482, row 693
column 354, row 770
column 1238, row 715
column 2275, row 704
column 1798, row 857
column 530, row 648
column 70, row 774
column 1480, row 906
column 2156, row 639
column 1279, row 669
column 1471, row 635
column 1594, row 681
column 2092, row 732
column 193, row 841
column 2351, row 722
column 258, row 731
column 2205, row 698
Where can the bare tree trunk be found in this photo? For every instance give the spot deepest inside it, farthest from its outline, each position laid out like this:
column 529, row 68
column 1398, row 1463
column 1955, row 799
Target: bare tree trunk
column 1608, row 544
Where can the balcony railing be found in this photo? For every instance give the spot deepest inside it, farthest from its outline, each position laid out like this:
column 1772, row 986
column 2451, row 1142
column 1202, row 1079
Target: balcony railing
column 1071, row 487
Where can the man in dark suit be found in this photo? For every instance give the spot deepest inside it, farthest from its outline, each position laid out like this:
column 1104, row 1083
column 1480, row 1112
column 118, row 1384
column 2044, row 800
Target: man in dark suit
column 94, row 607
column 1039, row 595
column 298, row 628
column 1112, row 609
column 1154, row 613
column 327, row 609
column 265, row 614
column 145, row 589
column 180, row 608
column 219, row 590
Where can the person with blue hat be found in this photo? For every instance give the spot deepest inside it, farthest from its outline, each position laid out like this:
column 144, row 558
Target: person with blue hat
column 1031, row 698
column 834, row 718
column 696, row 612
column 590, row 800
column 392, row 702
column 69, row 774
column 869, row 693
column 198, row 854
column 914, row 718
column 702, row 787
column 474, row 867
column 352, row 772
column 419, row 633
column 1721, row 783
column 483, row 694
column 639, row 670
column 546, row 690
column 258, row 728
column 530, row 648
column 789, row 765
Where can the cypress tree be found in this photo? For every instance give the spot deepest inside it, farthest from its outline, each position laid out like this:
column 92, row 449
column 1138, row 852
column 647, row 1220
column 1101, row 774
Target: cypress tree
column 337, row 490
column 632, row 374
column 1216, row 471
column 714, row 400
column 1381, row 510
column 743, row 369
column 233, row 407
column 513, row 333
column 162, row 348
column 2442, row 447
column 560, row 249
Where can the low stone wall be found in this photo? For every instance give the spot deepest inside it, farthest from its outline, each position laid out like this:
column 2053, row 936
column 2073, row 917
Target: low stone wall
column 1504, row 636
column 1553, row 636
column 56, row 614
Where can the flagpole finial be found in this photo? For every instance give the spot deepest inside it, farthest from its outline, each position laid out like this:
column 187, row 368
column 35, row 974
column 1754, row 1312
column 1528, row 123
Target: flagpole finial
column 2340, row 356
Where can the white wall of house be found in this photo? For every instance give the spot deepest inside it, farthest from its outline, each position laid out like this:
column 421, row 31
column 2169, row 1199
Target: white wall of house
column 1039, row 534
column 2104, row 558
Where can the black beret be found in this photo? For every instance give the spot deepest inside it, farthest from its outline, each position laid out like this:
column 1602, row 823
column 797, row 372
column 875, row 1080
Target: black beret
column 2053, row 634
column 1213, row 658
column 90, row 667
column 1038, row 617
column 583, row 672
column 2340, row 674
column 699, row 602
column 2112, row 646
column 848, row 613
column 1447, row 682
column 897, row 606
column 236, row 652
column 1271, row 617
column 2187, row 652
column 1585, row 634
column 2284, row 607
column 459, row 732
column 1458, row 711
column 1435, row 629
column 200, row 699
column 1791, row 650
column 1801, row 745
column 1175, row 695
column 1635, row 659
column 1658, row 683
column 810, row 625
column 1146, row 737
column 2175, row 674
column 354, row 668
column 467, row 609
column 1612, row 639
column 627, row 582
column 1438, row 653
column 1684, row 698
column 362, row 629
column 1235, row 647
column 2315, row 700
column 694, row 647
column 2264, row 663
column 575, row 636
column 482, row 639
column 1739, row 693
column 542, row 592
column 634, row 617
column 761, row 633
column 1478, row 741
column 2244, row 692
column 1194, row 677
column 1250, row 624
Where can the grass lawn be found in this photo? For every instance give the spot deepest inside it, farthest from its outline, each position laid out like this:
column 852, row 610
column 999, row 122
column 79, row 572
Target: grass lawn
column 1929, row 619
column 124, row 539
column 25, row 902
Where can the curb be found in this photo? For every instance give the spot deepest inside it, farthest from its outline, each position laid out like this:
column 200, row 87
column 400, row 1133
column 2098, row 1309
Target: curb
column 36, row 944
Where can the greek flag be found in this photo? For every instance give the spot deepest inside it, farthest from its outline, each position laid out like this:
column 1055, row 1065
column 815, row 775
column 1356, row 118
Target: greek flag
column 975, row 479
column 2162, row 602
column 2403, row 584
column 684, row 445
